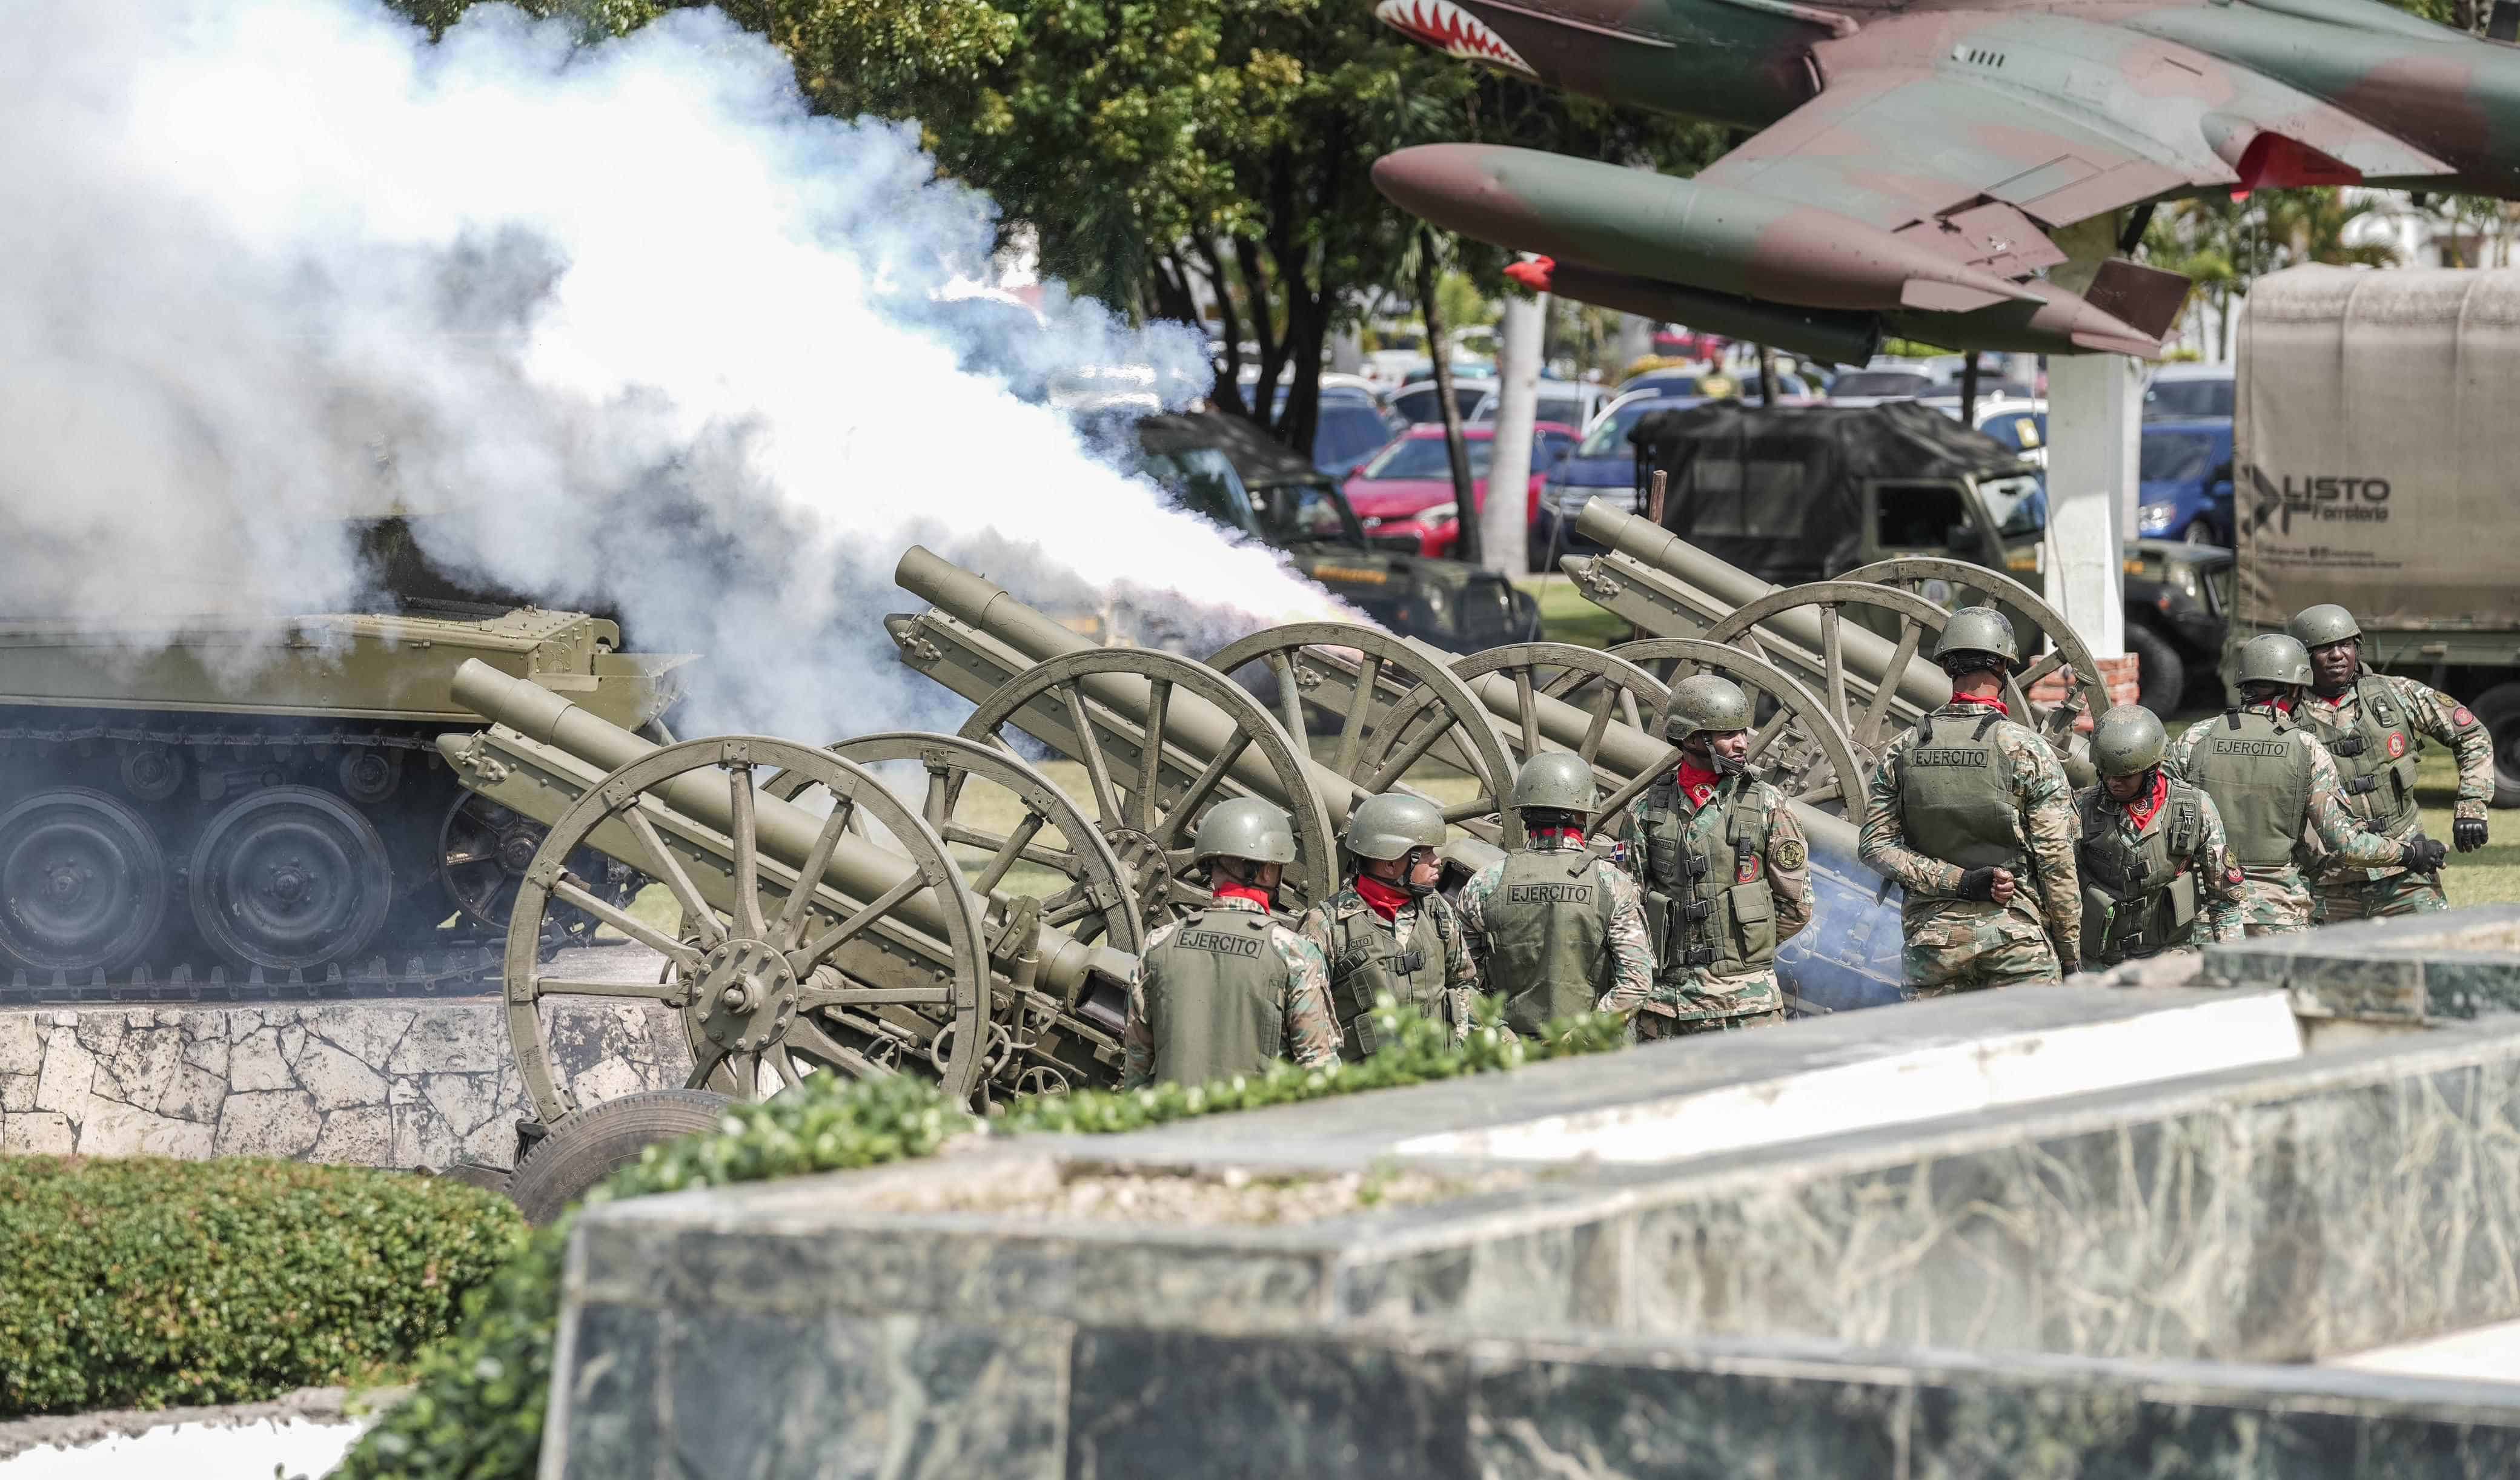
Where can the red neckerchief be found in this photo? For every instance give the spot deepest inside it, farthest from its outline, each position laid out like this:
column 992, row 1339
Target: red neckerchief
column 1226, row 888
column 2140, row 812
column 1697, row 785
column 1996, row 704
column 1572, row 837
column 1383, row 899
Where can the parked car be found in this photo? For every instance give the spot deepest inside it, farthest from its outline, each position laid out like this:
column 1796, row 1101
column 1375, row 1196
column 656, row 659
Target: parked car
column 1420, row 405
column 1569, row 403
column 1405, row 496
column 2185, row 481
column 1602, row 464
column 2188, row 392
column 1226, row 468
column 1871, row 388
column 2020, row 424
column 1791, row 389
column 1671, row 380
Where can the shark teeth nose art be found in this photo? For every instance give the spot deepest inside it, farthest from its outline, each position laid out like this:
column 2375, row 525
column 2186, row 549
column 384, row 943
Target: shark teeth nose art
column 1450, row 30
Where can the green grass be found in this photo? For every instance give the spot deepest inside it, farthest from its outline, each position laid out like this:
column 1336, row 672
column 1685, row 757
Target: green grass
column 1567, row 616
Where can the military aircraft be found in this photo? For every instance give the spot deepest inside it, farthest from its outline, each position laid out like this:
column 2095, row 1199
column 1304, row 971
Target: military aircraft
column 1968, row 172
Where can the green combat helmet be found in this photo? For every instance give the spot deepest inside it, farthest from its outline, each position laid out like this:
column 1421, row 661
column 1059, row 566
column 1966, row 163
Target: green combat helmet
column 1245, row 827
column 1388, row 825
column 1978, row 629
column 2273, row 658
column 2127, row 741
column 1706, row 703
column 1552, row 782
column 2322, row 624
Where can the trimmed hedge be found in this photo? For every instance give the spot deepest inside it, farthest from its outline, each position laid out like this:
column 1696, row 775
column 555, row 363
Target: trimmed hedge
column 476, row 1412
column 143, row 1282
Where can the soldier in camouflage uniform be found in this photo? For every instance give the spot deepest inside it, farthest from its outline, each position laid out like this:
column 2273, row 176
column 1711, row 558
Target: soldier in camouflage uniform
column 1724, row 869
column 1227, row 990
column 2374, row 724
column 2278, row 789
column 1554, row 927
column 2157, row 874
column 1971, row 816
column 1388, row 931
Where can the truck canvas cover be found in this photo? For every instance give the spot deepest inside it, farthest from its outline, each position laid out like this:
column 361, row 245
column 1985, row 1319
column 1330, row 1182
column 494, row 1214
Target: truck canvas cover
column 1779, row 491
column 2375, row 446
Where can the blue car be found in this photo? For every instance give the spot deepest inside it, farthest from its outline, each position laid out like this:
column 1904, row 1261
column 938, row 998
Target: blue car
column 1603, row 464
column 2185, row 473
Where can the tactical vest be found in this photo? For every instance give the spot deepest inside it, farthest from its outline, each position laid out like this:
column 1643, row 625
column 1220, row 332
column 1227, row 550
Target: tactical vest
column 1368, row 959
column 1549, row 937
column 1215, row 997
column 2376, row 758
column 1955, row 805
column 2256, row 766
column 2138, row 897
column 1706, row 906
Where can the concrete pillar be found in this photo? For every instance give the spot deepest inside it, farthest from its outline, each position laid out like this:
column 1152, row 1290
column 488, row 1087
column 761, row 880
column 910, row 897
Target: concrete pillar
column 1504, row 528
column 2094, row 411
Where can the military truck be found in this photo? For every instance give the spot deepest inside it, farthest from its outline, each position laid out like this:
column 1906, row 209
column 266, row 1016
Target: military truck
column 2375, row 446
column 252, row 808
column 1801, row 493
column 1280, row 498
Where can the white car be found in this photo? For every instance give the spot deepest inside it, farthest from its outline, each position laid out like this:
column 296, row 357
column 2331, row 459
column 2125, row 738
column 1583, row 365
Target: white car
column 1573, row 403
column 1417, row 402
column 1878, row 383
column 2188, row 392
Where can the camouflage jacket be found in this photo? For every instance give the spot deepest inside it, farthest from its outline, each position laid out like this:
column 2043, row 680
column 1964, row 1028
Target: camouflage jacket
column 1783, row 858
column 1312, row 1032
column 2050, row 833
column 1460, row 974
column 2431, row 714
column 1632, row 962
column 2221, row 889
column 2331, row 827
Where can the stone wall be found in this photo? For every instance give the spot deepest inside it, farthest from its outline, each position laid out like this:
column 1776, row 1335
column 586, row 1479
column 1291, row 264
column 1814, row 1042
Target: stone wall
column 378, row 1083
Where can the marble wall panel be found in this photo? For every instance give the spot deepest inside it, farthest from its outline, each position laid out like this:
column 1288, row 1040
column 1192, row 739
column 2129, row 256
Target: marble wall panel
column 379, row 1082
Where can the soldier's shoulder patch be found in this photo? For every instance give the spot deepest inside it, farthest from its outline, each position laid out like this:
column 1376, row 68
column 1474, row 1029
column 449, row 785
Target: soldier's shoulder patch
column 1619, row 852
column 2234, row 878
column 1790, row 853
column 2397, row 743
column 1751, row 871
column 2462, row 717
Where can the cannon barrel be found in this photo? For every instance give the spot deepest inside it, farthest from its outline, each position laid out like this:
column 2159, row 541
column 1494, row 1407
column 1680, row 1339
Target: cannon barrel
column 859, row 872
column 1685, row 583
column 1199, row 728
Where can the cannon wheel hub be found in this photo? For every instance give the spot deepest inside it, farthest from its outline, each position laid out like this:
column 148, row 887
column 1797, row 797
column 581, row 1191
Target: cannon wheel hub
column 746, row 995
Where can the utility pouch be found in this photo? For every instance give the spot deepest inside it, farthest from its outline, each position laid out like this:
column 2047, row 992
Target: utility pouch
column 2182, row 900
column 2099, row 911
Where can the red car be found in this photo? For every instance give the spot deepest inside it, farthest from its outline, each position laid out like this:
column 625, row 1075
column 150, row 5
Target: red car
column 1403, row 494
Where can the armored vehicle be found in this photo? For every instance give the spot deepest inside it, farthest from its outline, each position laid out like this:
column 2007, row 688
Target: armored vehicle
column 227, row 807
column 1794, row 494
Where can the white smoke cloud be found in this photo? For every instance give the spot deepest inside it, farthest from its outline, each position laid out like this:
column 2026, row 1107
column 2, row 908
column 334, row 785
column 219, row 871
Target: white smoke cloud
column 624, row 323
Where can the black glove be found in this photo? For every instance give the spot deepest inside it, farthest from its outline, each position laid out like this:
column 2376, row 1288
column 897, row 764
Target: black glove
column 2425, row 855
column 2469, row 833
column 1978, row 884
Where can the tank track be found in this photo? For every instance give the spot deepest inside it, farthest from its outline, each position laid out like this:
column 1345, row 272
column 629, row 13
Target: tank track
column 450, row 962
column 461, row 971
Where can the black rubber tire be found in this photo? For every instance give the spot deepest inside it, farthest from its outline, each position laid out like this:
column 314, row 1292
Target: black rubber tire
column 592, row 1144
column 2161, row 674
column 475, row 1175
column 2500, row 709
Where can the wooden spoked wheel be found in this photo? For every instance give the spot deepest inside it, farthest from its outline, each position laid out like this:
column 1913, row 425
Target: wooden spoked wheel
column 1356, row 677
column 774, row 947
column 1160, row 739
column 1031, row 855
column 1799, row 746
column 1549, row 696
column 1954, row 584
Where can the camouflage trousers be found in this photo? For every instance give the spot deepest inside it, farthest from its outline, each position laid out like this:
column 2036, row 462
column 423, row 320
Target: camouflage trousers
column 2273, row 901
column 1965, row 946
column 1653, row 1027
column 2333, row 903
